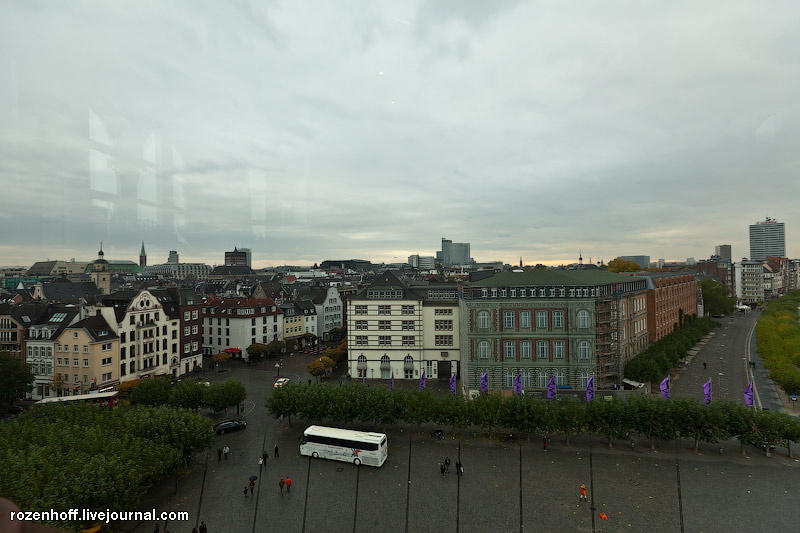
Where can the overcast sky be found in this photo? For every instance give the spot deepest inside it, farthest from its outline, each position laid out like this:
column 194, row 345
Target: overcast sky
column 333, row 130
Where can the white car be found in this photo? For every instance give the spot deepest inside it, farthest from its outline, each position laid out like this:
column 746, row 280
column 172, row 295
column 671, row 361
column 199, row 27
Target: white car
column 281, row 382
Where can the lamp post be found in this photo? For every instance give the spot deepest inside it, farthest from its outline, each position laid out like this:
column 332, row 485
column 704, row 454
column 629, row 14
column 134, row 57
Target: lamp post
column 278, row 366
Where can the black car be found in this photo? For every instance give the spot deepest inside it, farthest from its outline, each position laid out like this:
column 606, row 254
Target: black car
column 229, row 425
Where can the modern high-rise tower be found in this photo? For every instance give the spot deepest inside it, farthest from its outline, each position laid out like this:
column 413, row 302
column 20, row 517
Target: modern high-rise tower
column 723, row 251
column 767, row 239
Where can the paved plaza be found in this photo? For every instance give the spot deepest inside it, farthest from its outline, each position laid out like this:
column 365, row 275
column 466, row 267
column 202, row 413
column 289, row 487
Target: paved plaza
column 505, row 487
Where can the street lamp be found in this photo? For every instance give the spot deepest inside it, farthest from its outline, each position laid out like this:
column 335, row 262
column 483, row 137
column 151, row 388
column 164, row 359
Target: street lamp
column 278, row 366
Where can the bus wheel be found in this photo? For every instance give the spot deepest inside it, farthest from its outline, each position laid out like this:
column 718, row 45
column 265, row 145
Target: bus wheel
column 357, row 461
column 315, row 455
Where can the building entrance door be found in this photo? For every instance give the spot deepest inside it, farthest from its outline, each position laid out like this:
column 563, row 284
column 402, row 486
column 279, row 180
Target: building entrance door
column 444, row 370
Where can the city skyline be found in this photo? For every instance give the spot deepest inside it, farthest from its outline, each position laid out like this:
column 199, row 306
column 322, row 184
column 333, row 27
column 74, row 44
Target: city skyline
column 526, row 129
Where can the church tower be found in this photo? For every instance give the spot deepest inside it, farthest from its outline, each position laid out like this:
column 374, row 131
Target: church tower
column 100, row 273
column 142, row 257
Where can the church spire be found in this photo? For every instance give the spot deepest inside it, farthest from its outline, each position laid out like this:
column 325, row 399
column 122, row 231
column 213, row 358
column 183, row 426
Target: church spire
column 142, row 257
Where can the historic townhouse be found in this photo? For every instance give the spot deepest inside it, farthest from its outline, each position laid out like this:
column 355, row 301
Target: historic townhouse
column 14, row 323
column 87, row 356
column 571, row 324
column 396, row 327
column 328, row 306
column 670, row 294
column 148, row 331
column 41, row 348
column 233, row 324
column 293, row 321
column 187, row 306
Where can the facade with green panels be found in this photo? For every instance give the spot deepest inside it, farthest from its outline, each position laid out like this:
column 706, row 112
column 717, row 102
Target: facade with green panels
column 538, row 324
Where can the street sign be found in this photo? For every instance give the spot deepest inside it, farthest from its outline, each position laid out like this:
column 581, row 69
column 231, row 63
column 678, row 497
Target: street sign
column 793, row 397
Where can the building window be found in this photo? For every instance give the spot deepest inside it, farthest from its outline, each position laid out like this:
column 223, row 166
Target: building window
column 543, row 379
column 443, row 312
column 561, row 378
column 408, row 325
column 75, row 361
column 361, row 340
column 525, row 349
column 558, row 349
column 508, row 319
column 429, row 368
column 584, row 378
column 508, row 350
column 525, row 319
column 384, row 309
column 186, row 331
column 361, row 309
column 384, row 324
column 443, row 325
column 583, row 350
column 541, row 349
column 85, row 363
column 361, row 324
column 194, row 314
column 106, row 347
column 444, row 340
column 525, row 380
column 408, row 340
column 409, row 372
column 385, row 340
column 407, row 310
column 541, row 319
column 583, row 319
column 483, row 320
column 185, row 316
column 558, row 319
column 509, row 379
column 106, row 361
column 483, row 350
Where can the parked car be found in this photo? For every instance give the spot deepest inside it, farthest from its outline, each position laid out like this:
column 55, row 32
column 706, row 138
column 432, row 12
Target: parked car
column 281, row 382
column 16, row 409
column 229, row 425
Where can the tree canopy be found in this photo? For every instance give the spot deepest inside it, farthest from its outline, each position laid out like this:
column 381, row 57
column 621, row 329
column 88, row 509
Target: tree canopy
column 716, row 297
column 221, row 395
column 623, row 265
column 15, row 378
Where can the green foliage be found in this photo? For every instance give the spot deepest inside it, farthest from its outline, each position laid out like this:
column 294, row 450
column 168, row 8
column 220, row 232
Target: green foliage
column 153, row 391
column 316, row 368
column 649, row 416
column 15, row 379
column 256, row 350
column 221, row 395
column 84, row 456
column 188, row 394
column 658, row 359
column 623, row 265
column 716, row 297
column 778, row 341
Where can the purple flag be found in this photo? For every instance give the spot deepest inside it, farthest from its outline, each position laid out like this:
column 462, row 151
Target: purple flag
column 748, row 394
column 590, row 389
column 551, row 387
column 391, row 381
column 517, row 385
column 422, row 381
column 453, row 384
column 707, row 392
column 485, row 382
column 665, row 388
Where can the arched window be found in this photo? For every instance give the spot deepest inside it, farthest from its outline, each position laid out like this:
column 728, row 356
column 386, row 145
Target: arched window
column 362, row 358
column 483, row 350
column 483, row 320
column 385, row 359
column 583, row 349
column 509, row 379
column 408, row 359
column 583, row 319
column 543, row 378
column 525, row 378
column 561, row 378
column 584, row 378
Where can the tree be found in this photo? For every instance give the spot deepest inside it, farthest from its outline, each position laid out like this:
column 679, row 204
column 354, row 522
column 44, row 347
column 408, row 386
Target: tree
column 275, row 347
column 188, row 394
column 256, row 350
column 221, row 358
column 15, row 379
column 308, row 339
column 716, row 297
column 316, row 368
column 59, row 384
column 623, row 265
column 221, row 395
column 540, row 266
column 153, row 391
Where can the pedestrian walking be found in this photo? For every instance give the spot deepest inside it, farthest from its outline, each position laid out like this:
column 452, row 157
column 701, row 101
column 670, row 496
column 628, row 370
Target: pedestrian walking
column 458, row 468
column 219, row 454
column 544, row 442
column 288, row 484
column 226, row 451
column 447, row 464
column 583, row 493
column 281, row 483
column 245, row 491
column 441, row 468
column 264, row 456
column 252, row 484
column 203, row 527
column 275, row 452
column 705, row 365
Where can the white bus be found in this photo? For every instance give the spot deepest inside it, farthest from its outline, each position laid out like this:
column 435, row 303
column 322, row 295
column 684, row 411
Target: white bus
column 355, row 447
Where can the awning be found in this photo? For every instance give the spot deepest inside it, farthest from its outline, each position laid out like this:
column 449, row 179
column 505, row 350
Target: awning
column 408, row 366
column 631, row 383
column 361, row 366
column 232, row 350
column 386, row 366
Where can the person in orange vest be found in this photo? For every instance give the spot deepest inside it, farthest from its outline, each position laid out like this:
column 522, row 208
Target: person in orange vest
column 288, row 484
column 583, row 493
column 604, row 516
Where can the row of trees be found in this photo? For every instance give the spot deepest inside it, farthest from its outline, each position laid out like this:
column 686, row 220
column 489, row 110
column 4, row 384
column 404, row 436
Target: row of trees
column 15, row 379
column 187, row 394
column 330, row 357
column 650, row 417
column 717, row 299
column 658, row 359
column 59, row 456
column 778, row 341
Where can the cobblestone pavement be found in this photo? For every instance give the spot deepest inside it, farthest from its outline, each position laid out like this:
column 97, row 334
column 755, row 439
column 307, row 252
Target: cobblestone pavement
column 505, row 487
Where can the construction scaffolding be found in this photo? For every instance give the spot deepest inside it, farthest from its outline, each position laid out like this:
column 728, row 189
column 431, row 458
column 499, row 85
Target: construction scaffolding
column 610, row 366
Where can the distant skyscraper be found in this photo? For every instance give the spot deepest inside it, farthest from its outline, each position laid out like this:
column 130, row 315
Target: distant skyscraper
column 454, row 253
column 248, row 256
column 641, row 260
column 723, row 251
column 173, row 257
column 767, row 239
column 237, row 257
